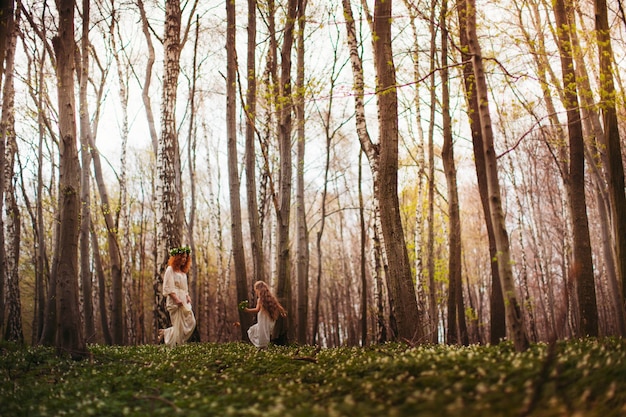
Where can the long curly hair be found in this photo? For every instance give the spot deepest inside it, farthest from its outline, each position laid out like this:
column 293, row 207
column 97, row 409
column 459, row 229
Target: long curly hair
column 268, row 302
column 178, row 264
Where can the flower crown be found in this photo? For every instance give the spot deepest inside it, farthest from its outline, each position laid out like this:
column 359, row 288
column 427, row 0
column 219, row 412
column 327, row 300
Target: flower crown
column 180, row 250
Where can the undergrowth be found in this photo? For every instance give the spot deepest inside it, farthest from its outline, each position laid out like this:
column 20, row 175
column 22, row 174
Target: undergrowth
column 573, row 378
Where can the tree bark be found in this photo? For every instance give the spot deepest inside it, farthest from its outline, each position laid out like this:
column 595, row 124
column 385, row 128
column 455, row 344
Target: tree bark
column 404, row 301
column 170, row 213
column 284, row 331
column 239, row 258
column 85, row 187
column 582, row 266
column 614, row 168
column 14, row 330
column 302, row 233
column 69, row 333
column 6, row 30
column 457, row 326
column 145, row 93
column 256, row 233
column 433, row 308
column 497, row 310
column 514, row 318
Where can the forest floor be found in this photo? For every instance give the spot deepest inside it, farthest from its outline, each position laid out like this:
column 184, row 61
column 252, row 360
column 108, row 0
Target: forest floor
column 570, row 378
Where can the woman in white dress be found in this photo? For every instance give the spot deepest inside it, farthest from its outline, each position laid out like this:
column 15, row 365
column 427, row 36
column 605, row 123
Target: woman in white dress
column 268, row 310
column 176, row 289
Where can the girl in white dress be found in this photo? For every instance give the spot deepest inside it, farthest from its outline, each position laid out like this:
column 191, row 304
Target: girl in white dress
column 176, row 289
column 268, row 310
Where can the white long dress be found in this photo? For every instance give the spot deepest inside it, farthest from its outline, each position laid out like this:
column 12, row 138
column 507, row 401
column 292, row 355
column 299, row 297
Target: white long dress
column 183, row 319
column 261, row 332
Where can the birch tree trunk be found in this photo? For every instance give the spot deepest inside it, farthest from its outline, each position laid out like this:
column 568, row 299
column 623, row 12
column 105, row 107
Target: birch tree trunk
column 6, row 28
column 69, row 332
column 514, row 318
column 13, row 329
column 371, row 150
column 169, row 185
column 241, row 279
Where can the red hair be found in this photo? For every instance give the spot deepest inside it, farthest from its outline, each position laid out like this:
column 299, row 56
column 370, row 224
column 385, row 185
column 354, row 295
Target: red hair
column 177, row 264
column 269, row 303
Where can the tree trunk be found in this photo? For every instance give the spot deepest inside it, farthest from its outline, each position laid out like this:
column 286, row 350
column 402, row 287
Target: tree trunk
column 284, row 331
column 42, row 267
column 85, row 187
column 102, row 294
column 582, row 265
column 457, row 327
column 371, row 151
column 433, row 308
column 614, row 168
column 256, row 233
column 362, row 256
column 404, row 301
column 169, row 185
column 497, row 309
column 13, row 329
column 513, row 311
column 302, row 233
column 191, row 158
column 134, row 332
column 145, row 93
column 420, row 160
column 6, row 29
column 69, row 332
column 239, row 258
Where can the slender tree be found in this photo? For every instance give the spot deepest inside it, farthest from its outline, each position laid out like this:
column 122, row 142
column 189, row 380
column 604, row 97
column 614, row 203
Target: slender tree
column 239, row 258
column 497, row 310
column 432, row 181
column 85, row 176
column 145, row 92
column 457, row 327
column 256, row 233
column 302, row 233
column 514, row 317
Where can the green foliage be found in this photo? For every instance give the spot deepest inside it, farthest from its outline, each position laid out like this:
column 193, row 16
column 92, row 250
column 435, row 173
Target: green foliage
column 584, row 378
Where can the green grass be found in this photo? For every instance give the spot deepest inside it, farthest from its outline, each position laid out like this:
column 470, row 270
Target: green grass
column 583, row 378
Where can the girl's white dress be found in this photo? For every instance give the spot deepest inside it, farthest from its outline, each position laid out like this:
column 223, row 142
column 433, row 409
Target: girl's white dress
column 261, row 332
column 183, row 319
